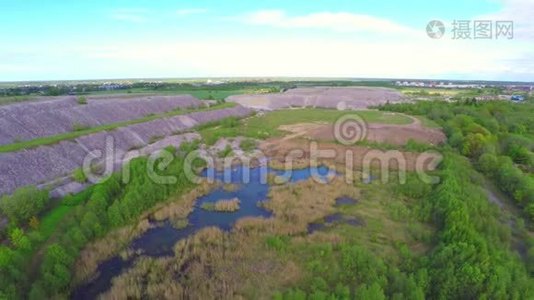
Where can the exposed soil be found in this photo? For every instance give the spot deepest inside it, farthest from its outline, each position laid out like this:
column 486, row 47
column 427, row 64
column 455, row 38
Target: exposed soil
column 282, row 150
column 379, row 133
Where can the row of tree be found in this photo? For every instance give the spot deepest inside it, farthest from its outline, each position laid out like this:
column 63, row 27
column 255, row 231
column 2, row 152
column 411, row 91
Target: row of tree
column 498, row 136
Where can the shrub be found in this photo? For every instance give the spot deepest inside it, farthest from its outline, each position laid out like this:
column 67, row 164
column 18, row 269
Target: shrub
column 79, row 175
column 278, row 243
column 247, row 145
column 79, row 127
column 226, row 152
column 34, row 222
column 82, row 100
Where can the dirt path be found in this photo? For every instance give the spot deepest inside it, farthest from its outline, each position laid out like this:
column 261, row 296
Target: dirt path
column 510, row 214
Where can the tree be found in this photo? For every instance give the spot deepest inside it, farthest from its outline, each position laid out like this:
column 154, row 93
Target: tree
column 90, row 225
column 24, row 203
column 37, row 292
column 55, row 269
column 19, row 240
column 372, row 292
column 474, row 144
column 487, row 163
column 77, row 237
column 115, row 215
column 530, row 260
column 6, row 257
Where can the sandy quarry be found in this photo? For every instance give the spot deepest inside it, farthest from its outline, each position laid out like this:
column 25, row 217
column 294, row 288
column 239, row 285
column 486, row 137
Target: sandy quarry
column 326, row 97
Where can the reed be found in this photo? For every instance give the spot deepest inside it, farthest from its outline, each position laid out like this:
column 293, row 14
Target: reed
column 230, row 205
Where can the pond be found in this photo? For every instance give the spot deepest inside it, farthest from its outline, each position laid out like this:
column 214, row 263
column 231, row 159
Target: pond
column 160, row 240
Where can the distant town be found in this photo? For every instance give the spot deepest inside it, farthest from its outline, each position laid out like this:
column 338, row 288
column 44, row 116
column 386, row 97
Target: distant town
column 516, row 91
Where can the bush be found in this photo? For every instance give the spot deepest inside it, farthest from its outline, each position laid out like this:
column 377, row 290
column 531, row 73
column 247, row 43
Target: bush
column 79, row 175
column 82, row 100
column 226, row 152
column 278, row 243
column 414, row 146
column 79, row 127
column 415, row 188
column 247, row 145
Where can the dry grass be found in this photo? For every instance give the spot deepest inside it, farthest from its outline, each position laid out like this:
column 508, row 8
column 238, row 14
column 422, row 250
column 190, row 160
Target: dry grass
column 209, row 265
column 227, row 205
column 180, row 208
column 294, row 206
column 118, row 240
column 297, row 205
column 282, row 164
column 230, row 187
column 179, row 223
column 100, row 250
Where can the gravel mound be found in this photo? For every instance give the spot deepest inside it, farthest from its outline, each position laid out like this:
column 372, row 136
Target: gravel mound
column 30, row 120
column 48, row 163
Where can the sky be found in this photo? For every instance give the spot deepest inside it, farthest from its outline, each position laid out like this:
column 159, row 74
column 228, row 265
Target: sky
column 77, row 40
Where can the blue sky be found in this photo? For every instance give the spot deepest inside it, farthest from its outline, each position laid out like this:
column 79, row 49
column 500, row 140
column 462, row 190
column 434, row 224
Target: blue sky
column 140, row 39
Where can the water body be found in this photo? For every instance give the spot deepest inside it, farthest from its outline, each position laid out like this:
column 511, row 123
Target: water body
column 345, row 201
column 160, row 240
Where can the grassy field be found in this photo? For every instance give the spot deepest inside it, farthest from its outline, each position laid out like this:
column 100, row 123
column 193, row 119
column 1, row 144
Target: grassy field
column 49, row 140
column 205, row 93
column 293, row 116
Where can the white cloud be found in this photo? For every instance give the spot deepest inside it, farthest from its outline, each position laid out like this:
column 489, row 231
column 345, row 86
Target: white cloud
column 518, row 11
column 191, row 11
column 306, row 57
column 336, row 21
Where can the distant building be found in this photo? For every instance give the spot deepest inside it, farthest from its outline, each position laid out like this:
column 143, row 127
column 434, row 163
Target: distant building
column 486, row 97
column 443, row 85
